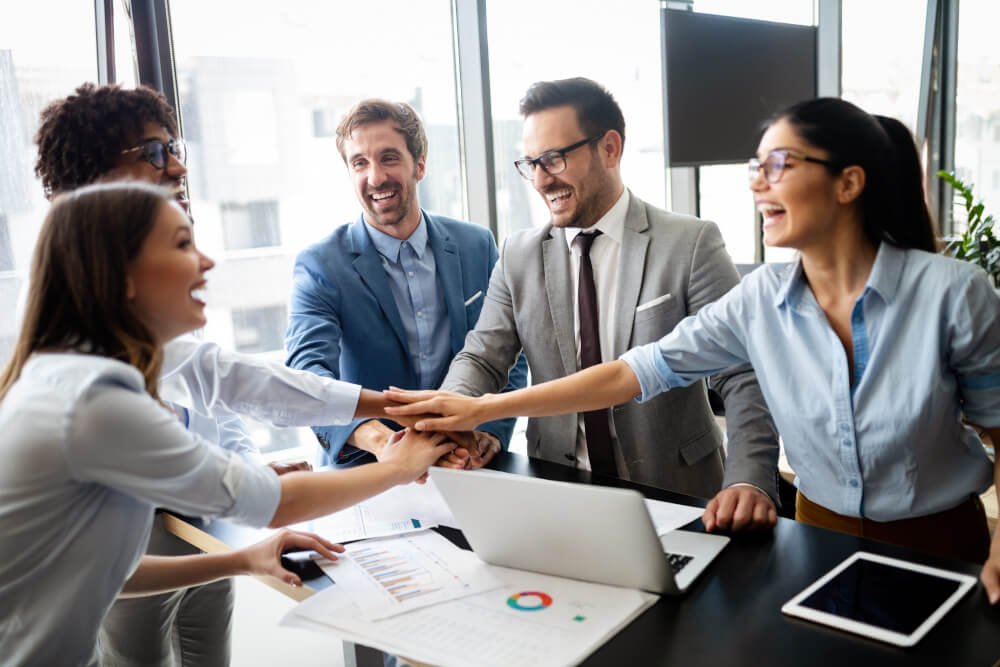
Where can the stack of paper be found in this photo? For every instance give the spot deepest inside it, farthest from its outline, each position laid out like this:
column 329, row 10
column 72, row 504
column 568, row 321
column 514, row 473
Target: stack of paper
column 490, row 616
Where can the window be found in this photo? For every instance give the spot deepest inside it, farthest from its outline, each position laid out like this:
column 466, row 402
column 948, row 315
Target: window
column 250, row 225
column 724, row 197
column 532, row 41
column 977, row 160
column 262, row 87
column 259, row 329
column 45, row 52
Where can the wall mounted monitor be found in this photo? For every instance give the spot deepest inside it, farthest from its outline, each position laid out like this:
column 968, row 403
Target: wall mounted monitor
column 723, row 77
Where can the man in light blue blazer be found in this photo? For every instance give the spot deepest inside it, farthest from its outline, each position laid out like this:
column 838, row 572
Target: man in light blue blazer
column 388, row 299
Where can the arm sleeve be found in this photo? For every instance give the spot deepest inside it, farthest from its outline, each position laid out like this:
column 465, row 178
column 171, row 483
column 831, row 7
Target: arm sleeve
column 123, row 439
column 492, row 348
column 517, row 378
column 974, row 334
column 313, row 345
column 753, row 448
column 218, row 383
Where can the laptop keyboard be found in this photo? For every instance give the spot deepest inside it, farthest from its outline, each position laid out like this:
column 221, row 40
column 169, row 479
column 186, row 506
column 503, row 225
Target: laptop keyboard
column 678, row 561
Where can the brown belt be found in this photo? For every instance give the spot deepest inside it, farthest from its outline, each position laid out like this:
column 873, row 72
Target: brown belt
column 959, row 533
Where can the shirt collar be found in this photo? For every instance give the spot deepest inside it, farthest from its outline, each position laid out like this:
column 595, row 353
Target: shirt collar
column 883, row 279
column 388, row 246
column 611, row 224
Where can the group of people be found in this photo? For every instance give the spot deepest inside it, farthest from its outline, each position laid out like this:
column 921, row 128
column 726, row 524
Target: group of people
column 410, row 338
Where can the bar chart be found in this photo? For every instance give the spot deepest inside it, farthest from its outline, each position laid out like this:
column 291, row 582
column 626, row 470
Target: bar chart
column 396, row 574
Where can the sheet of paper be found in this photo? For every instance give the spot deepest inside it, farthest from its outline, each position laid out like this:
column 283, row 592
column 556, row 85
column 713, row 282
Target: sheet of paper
column 534, row 620
column 360, row 522
column 418, row 501
column 671, row 516
column 390, row 576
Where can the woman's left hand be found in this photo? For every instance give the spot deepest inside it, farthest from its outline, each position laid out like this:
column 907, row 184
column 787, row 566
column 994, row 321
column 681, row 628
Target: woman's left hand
column 264, row 558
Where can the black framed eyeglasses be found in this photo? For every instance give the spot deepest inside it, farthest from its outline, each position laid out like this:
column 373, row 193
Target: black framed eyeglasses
column 157, row 153
column 552, row 162
column 775, row 162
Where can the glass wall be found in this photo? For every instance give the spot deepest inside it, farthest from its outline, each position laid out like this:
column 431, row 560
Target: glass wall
column 262, row 86
column 46, row 50
column 977, row 124
column 533, row 41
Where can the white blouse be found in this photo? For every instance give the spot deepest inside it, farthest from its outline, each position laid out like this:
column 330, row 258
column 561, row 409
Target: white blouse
column 85, row 456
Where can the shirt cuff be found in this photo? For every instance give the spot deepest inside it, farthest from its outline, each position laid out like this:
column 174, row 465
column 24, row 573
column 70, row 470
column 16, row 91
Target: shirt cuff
column 342, row 398
column 655, row 377
column 256, row 489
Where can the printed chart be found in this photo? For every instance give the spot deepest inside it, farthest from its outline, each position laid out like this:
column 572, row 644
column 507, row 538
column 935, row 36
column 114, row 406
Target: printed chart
column 389, row 576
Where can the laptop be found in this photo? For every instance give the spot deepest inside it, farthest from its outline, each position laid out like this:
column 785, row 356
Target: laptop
column 580, row 531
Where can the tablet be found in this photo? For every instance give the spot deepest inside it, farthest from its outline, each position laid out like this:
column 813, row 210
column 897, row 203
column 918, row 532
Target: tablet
column 883, row 598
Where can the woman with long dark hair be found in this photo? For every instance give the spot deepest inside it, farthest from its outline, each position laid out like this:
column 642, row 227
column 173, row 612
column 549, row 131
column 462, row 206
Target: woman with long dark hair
column 89, row 450
column 870, row 349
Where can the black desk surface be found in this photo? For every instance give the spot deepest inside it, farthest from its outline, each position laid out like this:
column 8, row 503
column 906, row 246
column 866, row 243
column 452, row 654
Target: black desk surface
column 732, row 614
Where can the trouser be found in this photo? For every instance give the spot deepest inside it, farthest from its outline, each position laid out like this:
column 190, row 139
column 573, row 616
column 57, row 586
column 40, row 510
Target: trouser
column 960, row 533
column 190, row 627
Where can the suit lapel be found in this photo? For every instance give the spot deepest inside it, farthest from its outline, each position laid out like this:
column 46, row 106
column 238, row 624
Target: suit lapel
column 559, row 290
column 635, row 242
column 368, row 264
column 449, row 270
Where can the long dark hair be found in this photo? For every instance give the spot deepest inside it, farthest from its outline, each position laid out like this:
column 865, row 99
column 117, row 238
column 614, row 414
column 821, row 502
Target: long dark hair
column 77, row 298
column 893, row 205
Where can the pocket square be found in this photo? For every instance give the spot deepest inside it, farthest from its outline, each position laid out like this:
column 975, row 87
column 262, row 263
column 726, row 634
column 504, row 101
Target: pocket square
column 472, row 298
column 654, row 302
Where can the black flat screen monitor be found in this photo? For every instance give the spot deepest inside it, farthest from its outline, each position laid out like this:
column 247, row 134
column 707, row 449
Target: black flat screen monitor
column 725, row 76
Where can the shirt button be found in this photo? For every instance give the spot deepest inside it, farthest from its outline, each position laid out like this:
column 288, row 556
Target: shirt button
column 420, row 313
column 845, row 443
column 845, row 428
column 854, row 483
column 423, row 356
column 410, row 274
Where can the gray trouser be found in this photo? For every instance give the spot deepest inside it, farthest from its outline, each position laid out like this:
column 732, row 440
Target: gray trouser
column 190, row 627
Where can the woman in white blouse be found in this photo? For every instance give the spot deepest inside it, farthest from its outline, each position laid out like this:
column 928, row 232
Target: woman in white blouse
column 89, row 450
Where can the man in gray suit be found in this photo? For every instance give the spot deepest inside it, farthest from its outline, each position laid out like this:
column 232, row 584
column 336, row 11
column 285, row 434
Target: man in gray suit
column 646, row 269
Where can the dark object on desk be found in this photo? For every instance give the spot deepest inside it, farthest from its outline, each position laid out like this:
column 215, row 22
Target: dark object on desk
column 305, row 567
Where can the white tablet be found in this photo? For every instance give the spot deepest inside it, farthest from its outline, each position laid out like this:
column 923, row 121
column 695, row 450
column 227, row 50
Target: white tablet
column 883, row 598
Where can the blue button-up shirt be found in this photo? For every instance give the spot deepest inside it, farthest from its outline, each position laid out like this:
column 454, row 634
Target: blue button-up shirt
column 891, row 444
column 412, row 272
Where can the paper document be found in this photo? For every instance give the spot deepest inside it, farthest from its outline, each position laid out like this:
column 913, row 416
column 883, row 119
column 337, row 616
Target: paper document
column 534, row 619
column 359, row 522
column 419, row 501
column 394, row 575
column 671, row 516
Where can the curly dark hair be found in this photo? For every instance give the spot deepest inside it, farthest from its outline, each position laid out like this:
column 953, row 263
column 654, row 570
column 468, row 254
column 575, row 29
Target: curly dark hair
column 81, row 137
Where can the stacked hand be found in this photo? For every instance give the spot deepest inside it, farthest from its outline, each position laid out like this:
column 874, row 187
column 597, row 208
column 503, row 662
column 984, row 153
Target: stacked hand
column 457, row 412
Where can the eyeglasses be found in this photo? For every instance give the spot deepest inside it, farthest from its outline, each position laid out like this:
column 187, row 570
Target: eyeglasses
column 553, row 162
column 775, row 162
column 156, row 152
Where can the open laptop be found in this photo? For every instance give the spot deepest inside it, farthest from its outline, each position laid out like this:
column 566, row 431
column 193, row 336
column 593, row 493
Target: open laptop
column 593, row 533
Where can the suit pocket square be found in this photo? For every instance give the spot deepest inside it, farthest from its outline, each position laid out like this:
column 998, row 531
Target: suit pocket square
column 472, row 299
column 655, row 302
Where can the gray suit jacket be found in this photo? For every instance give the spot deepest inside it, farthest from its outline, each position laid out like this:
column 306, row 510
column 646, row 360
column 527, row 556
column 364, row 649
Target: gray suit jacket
column 671, row 441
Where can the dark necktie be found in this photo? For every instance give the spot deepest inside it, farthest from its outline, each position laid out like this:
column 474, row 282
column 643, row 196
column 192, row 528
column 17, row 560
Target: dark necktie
column 595, row 422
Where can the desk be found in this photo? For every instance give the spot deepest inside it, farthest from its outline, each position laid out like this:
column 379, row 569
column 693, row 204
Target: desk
column 732, row 613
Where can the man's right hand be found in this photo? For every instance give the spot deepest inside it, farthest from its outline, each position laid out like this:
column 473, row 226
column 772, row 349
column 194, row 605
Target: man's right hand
column 413, row 452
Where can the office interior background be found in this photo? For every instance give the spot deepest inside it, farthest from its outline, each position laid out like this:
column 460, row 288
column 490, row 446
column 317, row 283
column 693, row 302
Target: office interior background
column 260, row 86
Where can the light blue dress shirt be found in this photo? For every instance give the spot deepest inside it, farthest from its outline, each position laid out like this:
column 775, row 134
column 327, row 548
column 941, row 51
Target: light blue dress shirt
column 891, row 444
column 412, row 272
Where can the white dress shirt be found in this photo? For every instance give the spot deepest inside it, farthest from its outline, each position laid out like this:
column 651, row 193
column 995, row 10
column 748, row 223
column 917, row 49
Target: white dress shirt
column 87, row 454
column 214, row 382
column 605, row 254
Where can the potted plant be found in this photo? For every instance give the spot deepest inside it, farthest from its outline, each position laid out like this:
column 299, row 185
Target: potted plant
column 978, row 243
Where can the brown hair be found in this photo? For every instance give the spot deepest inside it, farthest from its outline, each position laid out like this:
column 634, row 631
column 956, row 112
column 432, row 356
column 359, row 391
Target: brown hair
column 81, row 137
column 596, row 108
column 402, row 115
column 77, row 297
